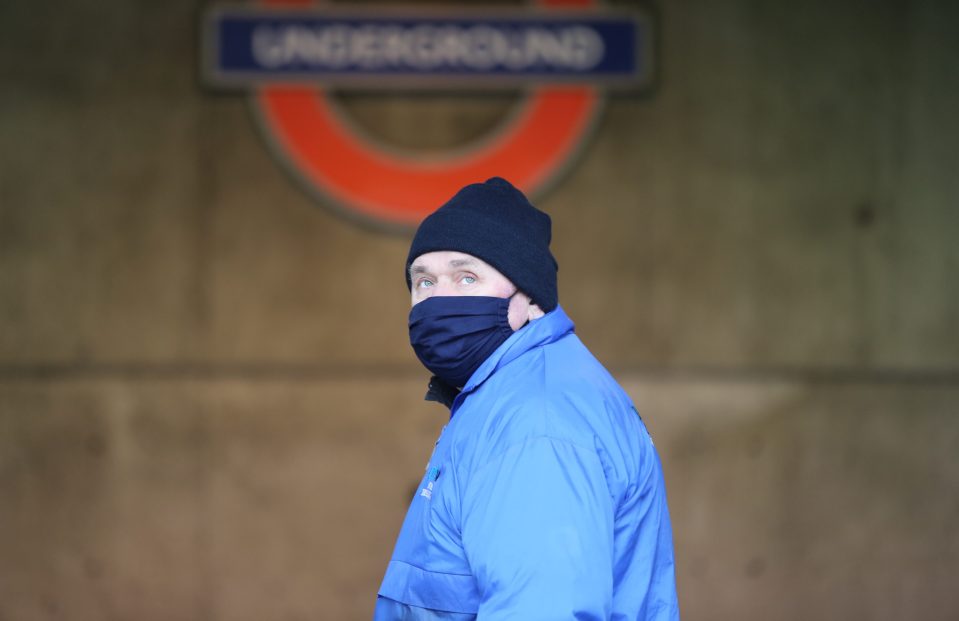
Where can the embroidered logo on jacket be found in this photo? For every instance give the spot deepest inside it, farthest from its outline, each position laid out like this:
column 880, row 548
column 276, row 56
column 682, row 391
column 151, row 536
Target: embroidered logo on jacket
column 432, row 474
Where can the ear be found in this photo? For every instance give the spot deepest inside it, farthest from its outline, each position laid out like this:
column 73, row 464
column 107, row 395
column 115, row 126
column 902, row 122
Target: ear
column 534, row 311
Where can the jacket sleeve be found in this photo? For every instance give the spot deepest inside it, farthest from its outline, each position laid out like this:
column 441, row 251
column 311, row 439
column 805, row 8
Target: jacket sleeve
column 538, row 533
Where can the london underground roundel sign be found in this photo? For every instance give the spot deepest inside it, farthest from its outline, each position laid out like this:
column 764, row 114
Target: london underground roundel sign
column 560, row 55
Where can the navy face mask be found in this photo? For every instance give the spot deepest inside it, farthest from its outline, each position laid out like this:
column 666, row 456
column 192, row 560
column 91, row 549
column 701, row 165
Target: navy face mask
column 453, row 335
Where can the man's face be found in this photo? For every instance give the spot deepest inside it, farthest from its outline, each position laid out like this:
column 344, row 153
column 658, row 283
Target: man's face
column 446, row 272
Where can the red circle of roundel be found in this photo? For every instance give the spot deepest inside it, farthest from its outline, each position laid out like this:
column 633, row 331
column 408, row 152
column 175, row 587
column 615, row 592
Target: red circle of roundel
column 386, row 188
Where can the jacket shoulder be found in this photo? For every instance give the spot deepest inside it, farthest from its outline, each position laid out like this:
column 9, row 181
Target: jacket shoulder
column 558, row 391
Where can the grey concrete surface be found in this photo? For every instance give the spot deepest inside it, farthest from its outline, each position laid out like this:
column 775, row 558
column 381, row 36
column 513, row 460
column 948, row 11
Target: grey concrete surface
column 785, row 197
column 208, row 407
column 251, row 499
column 798, row 500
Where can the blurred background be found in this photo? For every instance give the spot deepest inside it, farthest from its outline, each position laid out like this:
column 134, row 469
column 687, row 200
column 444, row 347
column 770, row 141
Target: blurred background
column 208, row 405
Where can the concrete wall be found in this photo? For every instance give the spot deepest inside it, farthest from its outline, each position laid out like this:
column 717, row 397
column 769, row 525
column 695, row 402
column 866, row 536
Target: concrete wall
column 208, row 408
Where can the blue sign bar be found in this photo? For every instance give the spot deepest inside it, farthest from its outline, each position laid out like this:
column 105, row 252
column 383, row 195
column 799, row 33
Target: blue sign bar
column 492, row 48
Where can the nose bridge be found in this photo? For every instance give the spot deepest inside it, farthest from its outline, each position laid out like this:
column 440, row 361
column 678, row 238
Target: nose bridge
column 444, row 287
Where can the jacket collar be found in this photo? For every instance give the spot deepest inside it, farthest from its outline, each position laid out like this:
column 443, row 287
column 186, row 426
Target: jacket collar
column 550, row 327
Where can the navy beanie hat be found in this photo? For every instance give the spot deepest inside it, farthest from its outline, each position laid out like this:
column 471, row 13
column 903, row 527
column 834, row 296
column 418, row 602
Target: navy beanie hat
column 495, row 222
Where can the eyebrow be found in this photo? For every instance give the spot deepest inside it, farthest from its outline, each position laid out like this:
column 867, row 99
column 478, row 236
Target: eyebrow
column 462, row 262
column 419, row 269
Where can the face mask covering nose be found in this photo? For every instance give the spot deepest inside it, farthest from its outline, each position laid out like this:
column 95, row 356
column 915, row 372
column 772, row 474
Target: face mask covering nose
column 453, row 335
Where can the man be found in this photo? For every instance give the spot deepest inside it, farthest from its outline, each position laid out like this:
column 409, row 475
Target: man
column 544, row 497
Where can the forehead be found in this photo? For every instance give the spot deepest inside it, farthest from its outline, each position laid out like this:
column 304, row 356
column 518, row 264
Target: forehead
column 448, row 260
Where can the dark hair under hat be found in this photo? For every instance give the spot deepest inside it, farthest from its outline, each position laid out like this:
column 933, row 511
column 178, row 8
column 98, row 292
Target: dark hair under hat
column 495, row 222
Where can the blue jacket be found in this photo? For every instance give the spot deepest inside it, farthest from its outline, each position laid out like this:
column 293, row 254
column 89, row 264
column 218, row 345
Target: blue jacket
column 544, row 498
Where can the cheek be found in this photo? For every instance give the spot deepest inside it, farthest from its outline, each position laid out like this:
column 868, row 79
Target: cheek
column 417, row 296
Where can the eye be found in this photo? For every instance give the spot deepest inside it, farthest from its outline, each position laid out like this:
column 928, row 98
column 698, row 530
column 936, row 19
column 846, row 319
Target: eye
column 424, row 283
column 468, row 280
